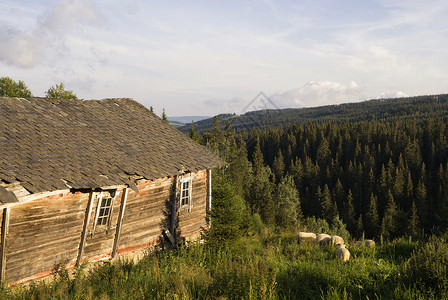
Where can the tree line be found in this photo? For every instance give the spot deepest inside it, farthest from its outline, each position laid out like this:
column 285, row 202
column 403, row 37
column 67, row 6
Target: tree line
column 383, row 109
column 380, row 178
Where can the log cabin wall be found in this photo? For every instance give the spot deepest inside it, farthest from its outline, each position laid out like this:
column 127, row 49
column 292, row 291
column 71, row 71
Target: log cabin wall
column 100, row 238
column 47, row 231
column 191, row 222
column 146, row 214
column 43, row 233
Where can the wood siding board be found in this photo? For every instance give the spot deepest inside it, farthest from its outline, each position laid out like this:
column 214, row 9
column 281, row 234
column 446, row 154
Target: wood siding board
column 140, row 225
column 173, row 215
column 147, row 204
column 4, row 233
column 120, row 221
column 149, row 200
column 27, row 240
column 141, row 237
column 209, row 190
column 47, row 225
column 39, row 250
column 24, row 213
column 85, row 226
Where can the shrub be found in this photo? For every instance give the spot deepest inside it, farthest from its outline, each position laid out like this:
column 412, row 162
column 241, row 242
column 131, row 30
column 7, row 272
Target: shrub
column 428, row 266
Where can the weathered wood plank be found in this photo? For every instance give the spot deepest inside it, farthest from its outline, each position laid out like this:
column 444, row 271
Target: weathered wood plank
column 53, row 224
column 49, row 248
column 120, row 221
column 209, row 190
column 19, row 242
column 23, row 215
column 140, row 238
column 147, row 205
column 84, row 229
column 4, row 233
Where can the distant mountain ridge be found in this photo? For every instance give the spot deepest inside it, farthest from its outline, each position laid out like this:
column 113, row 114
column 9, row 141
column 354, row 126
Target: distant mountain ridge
column 187, row 119
column 379, row 109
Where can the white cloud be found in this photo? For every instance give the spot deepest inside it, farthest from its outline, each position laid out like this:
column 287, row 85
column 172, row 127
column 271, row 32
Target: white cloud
column 318, row 94
column 27, row 48
column 393, row 94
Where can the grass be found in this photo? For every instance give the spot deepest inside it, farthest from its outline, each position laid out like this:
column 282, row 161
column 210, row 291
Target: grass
column 269, row 266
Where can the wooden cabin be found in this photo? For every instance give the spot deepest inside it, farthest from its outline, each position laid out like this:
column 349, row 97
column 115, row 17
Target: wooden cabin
column 87, row 180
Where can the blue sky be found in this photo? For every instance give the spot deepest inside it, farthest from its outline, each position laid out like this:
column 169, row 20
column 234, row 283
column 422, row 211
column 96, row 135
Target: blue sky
column 210, row 57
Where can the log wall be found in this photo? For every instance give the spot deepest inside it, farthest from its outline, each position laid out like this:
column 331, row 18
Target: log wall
column 147, row 213
column 99, row 242
column 191, row 223
column 47, row 231
column 43, row 233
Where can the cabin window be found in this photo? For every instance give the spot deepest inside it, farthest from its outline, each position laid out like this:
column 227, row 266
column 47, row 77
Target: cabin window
column 104, row 209
column 185, row 192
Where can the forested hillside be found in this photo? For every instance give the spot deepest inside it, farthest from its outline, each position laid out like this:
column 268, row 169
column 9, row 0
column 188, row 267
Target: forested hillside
column 383, row 109
column 380, row 166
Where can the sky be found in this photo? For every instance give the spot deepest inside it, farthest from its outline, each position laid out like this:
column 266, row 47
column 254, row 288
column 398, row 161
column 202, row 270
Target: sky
column 210, row 57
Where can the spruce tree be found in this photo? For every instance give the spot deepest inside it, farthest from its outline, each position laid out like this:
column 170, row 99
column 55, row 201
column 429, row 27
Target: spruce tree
column 278, row 166
column 372, row 219
column 261, row 188
column 421, row 201
column 328, row 210
column 349, row 210
column 226, row 214
column 340, row 197
column 164, row 116
column 413, row 223
column 194, row 135
column 359, row 226
column 239, row 170
column 289, row 211
column 389, row 222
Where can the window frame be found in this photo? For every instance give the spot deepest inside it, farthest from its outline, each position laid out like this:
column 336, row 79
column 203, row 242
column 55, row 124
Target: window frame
column 188, row 203
column 102, row 197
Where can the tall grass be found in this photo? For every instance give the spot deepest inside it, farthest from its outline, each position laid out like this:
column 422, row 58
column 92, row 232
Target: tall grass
column 266, row 266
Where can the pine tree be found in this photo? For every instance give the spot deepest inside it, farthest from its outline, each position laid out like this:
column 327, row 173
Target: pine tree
column 278, row 166
column 289, row 211
column 399, row 183
column 372, row 218
column 261, row 188
column 164, row 116
column 226, row 214
column 239, row 170
column 408, row 191
column 194, row 135
column 214, row 139
column 328, row 209
column 350, row 218
column 413, row 223
column 340, row 197
column 421, row 201
column 323, row 155
column 359, row 227
column 388, row 224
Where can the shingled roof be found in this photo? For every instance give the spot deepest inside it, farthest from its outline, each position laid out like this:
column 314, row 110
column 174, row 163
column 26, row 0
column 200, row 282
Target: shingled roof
column 54, row 144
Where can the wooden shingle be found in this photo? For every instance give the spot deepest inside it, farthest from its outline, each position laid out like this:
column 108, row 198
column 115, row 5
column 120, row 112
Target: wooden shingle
column 47, row 142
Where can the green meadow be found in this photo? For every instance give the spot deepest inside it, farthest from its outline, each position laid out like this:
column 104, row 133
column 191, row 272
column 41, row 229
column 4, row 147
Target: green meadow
column 267, row 265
